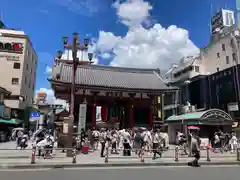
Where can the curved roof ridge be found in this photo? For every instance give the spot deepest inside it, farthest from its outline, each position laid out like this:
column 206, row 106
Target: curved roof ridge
column 159, row 76
column 119, row 69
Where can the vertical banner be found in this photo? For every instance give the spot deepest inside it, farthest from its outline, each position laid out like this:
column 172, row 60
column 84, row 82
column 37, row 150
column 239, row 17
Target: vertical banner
column 82, row 117
column 98, row 113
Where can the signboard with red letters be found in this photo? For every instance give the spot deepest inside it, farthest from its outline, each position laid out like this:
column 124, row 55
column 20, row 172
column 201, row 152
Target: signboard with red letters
column 11, row 47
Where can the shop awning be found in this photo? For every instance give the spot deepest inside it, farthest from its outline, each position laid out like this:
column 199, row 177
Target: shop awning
column 10, row 121
column 201, row 115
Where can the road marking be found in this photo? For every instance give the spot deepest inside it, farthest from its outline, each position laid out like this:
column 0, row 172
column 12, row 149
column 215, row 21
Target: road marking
column 115, row 168
column 21, row 170
column 144, row 167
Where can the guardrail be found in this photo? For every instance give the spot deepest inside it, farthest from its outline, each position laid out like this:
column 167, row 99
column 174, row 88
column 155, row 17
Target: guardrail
column 34, row 150
column 176, row 154
column 31, row 153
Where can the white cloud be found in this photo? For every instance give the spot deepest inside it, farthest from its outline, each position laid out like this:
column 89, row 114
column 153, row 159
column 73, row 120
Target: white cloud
column 106, row 55
column 48, row 70
column 155, row 47
column 107, row 41
column 133, row 12
column 82, row 7
column 67, row 55
column 51, row 98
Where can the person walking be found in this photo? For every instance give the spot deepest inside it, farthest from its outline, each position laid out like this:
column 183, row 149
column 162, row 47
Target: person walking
column 156, row 140
column 195, row 151
column 102, row 140
column 137, row 142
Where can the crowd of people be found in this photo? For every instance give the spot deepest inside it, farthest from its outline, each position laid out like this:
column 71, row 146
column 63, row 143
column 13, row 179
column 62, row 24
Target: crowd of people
column 127, row 141
column 153, row 141
column 42, row 139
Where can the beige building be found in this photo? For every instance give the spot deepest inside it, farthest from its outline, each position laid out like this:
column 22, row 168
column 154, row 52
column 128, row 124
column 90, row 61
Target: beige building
column 221, row 53
column 18, row 67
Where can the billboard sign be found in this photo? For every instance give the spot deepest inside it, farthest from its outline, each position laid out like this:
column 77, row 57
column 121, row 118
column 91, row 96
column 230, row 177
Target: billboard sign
column 228, row 18
column 12, row 47
column 41, row 96
column 224, row 18
column 217, row 22
column 10, row 57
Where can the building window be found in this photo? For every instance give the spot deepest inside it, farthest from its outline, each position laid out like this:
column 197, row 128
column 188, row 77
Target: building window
column 29, row 85
column 16, row 65
column 33, row 87
column 234, row 57
column 218, row 55
column 27, row 66
column 25, row 80
column 15, row 80
column 217, row 69
column 223, row 47
column 196, row 68
column 227, row 59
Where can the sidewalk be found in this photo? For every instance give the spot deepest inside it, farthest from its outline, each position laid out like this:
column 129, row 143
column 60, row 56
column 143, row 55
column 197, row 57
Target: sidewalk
column 8, row 150
column 94, row 160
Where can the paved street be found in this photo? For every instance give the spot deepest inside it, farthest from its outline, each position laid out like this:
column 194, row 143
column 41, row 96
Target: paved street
column 166, row 173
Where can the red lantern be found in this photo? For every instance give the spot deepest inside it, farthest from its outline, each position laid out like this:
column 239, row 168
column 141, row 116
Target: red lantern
column 104, row 113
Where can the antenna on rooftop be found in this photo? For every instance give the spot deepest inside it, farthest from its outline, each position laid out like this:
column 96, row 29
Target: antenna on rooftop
column 2, row 25
column 1, row 16
column 226, row 6
column 211, row 15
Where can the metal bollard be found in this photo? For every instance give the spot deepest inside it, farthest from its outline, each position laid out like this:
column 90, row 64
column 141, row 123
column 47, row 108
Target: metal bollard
column 208, row 153
column 74, row 159
column 142, row 153
column 176, row 154
column 238, row 154
column 33, row 157
column 106, row 155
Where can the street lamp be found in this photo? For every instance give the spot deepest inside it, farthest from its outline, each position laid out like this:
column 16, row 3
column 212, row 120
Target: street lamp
column 59, row 54
column 75, row 46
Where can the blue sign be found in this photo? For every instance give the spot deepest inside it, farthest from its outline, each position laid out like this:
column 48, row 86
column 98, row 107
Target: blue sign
column 34, row 114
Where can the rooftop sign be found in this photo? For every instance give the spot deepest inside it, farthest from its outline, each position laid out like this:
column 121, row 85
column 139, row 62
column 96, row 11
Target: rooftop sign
column 11, row 47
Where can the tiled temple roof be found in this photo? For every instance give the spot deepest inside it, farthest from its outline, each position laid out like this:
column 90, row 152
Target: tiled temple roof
column 110, row 77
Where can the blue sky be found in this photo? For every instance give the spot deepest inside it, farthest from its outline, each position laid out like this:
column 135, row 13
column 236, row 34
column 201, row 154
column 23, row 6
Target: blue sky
column 46, row 21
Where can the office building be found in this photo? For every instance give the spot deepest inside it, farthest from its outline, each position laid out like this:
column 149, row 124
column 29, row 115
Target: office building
column 211, row 80
column 18, row 67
